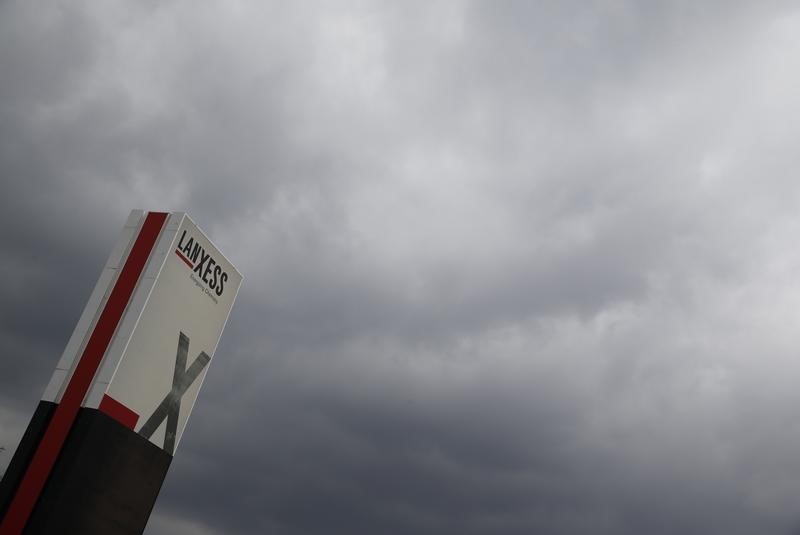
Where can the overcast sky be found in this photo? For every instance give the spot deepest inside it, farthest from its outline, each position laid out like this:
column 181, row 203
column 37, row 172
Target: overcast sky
column 510, row 267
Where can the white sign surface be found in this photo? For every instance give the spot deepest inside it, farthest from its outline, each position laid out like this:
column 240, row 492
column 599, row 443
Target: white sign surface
column 166, row 356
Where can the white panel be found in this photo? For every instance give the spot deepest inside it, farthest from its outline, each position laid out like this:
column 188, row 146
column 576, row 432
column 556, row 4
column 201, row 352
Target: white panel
column 95, row 395
column 53, row 387
column 92, row 309
column 181, row 301
column 120, row 339
column 175, row 220
column 160, row 254
column 129, row 232
column 131, row 316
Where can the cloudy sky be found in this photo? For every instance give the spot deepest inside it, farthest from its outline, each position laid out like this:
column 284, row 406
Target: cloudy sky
column 510, row 267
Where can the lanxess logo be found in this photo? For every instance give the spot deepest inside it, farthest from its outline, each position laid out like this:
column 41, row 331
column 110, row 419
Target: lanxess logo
column 195, row 256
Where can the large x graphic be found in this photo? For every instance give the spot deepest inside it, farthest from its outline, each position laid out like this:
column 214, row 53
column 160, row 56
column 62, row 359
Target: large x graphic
column 170, row 407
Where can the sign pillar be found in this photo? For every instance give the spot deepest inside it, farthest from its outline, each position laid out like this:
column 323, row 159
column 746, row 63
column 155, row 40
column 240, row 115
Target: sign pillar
column 100, row 442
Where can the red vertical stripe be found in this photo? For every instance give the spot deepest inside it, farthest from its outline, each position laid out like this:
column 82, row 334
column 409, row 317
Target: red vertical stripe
column 50, row 446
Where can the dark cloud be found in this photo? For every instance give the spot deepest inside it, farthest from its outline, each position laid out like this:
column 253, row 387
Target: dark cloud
column 509, row 268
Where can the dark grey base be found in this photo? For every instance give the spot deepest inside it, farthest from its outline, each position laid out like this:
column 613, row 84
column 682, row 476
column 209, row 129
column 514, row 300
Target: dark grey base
column 105, row 481
column 25, row 450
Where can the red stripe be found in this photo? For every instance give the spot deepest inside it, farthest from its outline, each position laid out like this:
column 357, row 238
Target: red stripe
column 118, row 411
column 50, row 446
column 180, row 255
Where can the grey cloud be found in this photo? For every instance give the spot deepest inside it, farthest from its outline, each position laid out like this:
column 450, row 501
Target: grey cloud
column 510, row 268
